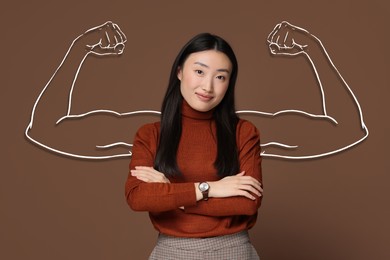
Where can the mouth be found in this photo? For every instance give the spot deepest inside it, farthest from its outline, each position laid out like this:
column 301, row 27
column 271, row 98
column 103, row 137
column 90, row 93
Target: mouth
column 204, row 97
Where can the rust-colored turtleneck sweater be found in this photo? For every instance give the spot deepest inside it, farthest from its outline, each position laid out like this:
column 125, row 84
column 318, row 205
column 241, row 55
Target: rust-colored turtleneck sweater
column 196, row 155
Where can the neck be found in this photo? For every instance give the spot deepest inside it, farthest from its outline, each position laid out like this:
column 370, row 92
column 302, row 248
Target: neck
column 188, row 111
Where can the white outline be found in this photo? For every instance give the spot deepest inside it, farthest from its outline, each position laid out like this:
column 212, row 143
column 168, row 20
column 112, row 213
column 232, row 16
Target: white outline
column 117, row 49
column 301, row 50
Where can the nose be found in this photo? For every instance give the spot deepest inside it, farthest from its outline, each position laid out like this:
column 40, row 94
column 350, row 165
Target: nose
column 207, row 85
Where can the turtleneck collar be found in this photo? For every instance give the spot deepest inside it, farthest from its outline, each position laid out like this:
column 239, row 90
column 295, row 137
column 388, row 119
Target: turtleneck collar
column 188, row 111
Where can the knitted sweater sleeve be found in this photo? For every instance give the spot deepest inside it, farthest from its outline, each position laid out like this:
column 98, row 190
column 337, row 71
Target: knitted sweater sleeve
column 248, row 141
column 154, row 197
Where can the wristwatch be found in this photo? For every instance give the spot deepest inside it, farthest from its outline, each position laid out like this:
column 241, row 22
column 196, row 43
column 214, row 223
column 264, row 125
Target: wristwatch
column 204, row 187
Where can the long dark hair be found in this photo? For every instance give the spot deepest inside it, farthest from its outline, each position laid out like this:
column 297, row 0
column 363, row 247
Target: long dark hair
column 224, row 114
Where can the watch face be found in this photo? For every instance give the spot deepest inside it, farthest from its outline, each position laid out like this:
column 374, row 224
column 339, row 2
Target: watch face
column 204, row 186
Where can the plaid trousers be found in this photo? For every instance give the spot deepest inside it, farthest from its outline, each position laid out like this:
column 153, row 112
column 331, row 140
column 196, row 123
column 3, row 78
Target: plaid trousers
column 230, row 247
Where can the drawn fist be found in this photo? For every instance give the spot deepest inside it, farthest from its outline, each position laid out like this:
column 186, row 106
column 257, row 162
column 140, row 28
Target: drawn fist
column 105, row 39
column 288, row 39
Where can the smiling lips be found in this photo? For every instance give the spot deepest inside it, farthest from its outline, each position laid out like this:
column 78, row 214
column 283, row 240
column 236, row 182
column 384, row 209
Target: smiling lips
column 204, row 97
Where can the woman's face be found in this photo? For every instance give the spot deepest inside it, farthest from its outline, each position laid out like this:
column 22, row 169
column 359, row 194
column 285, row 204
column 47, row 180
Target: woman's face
column 204, row 79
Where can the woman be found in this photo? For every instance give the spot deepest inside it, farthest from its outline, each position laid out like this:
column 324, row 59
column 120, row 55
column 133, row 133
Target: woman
column 198, row 171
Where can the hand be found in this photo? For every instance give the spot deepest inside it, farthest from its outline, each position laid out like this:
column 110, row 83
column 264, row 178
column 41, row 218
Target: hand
column 149, row 174
column 105, row 39
column 237, row 185
column 288, row 39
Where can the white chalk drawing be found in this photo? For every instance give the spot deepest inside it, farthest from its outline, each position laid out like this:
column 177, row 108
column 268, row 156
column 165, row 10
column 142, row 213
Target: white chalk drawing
column 110, row 41
column 282, row 42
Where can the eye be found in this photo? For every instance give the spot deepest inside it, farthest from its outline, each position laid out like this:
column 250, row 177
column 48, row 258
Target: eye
column 199, row 72
column 221, row 77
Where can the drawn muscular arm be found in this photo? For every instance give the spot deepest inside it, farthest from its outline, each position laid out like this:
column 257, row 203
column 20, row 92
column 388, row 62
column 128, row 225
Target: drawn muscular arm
column 294, row 134
column 289, row 134
column 52, row 120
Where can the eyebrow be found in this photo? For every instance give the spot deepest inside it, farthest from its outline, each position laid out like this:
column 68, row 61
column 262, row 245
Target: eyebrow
column 204, row 65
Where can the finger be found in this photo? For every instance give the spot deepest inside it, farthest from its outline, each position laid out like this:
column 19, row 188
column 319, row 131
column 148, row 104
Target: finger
column 144, row 168
column 148, row 169
column 99, row 50
column 142, row 173
column 272, row 34
column 117, row 37
column 274, row 48
column 288, row 41
column 104, row 46
column 277, row 40
column 148, row 180
column 251, row 189
column 120, row 33
column 260, row 188
column 293, row 50
column 285, row 39
column 119, row 48
column 104, row 38
column 140, row 167
column 151, row 174
column 110, row 37
column 248, row 180
column 281, row 36
column 117, row 40
column 107, row 39
column 257, row 186
column 107, row 33
column 246, row 194
column 252, row 185
column 145, row 177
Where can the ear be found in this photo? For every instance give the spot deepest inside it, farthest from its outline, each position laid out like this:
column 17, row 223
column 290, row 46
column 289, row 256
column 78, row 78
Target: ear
column 179, row 73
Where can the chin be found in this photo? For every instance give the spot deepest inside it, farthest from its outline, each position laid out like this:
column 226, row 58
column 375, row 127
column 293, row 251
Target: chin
column 202, row 107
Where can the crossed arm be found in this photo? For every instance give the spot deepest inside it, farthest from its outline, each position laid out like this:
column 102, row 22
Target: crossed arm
column 149, row 190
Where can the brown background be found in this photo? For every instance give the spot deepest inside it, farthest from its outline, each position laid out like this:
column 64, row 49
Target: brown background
column 53, row 207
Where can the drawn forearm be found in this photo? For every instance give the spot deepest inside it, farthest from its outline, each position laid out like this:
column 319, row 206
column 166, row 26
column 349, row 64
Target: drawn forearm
column 54, row 101
column 334, row 89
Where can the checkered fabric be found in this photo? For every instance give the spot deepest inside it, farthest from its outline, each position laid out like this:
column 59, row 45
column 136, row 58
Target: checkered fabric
column 230, row 247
